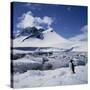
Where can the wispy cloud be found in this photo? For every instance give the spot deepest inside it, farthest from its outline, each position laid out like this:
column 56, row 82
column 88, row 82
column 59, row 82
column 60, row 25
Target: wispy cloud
column 33, row 6
column 82, row 36
column 80, row 41
column 29, row 20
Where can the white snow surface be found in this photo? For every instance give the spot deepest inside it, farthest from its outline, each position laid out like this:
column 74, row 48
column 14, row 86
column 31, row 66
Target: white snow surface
column 21, row 51
column 50, row 40
column 62, row 76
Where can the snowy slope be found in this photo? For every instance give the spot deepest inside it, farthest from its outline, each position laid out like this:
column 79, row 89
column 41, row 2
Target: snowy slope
column 81, row 46
column 51, row 38
column 62, row 76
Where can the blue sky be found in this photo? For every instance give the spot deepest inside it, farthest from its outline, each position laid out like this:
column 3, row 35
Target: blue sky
column 66, row 20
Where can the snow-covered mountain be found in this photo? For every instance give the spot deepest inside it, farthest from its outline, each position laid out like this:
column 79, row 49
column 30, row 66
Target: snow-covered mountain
column 33, row 37
column 43, row 38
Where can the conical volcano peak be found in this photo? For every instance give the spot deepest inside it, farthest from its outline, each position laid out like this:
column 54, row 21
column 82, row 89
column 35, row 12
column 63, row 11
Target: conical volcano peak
column 39, row 38
column 30, row 30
